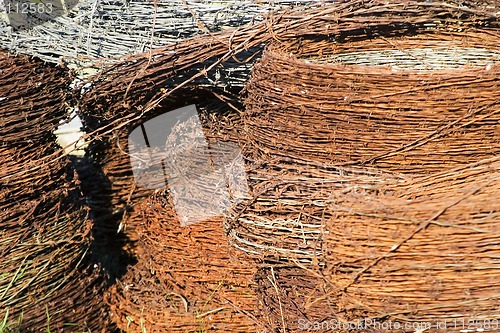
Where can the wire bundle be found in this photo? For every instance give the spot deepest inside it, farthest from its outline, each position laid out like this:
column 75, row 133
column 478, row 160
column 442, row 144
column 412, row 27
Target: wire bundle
column 45, row 230
column 90, row 31
column 413, row 104
column 192, row 281
column 353, row 103
column 419, row 251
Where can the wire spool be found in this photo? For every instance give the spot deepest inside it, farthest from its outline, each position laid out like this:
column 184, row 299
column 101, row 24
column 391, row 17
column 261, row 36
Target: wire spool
column 412, row 254
column 282, row 220
column 137, row 84
column 30, row 106
column 97, row 31
column 186, row 280
column 45, row 238
column 140, row 300
column 410, row 104
column 48, row 280
column 116, row 202
column 424, row 251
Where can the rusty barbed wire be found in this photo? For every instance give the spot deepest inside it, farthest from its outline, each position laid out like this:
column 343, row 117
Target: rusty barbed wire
column 45, row 229
column 299, row 187
column 186, row 279
column 307, row 101
column 98, row 31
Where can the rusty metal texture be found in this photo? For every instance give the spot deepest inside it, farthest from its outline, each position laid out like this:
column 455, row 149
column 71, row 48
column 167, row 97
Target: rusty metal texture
column 139, row 83
column 45, row 238
column 369, row 128
column 116, row 202
column 89, row 32
column 45, row 229
column 291, row 299
column 429, row 242
column 186, row 279
column 420, row 250
column 416, row 104
column 283, row 219
column 33, row 98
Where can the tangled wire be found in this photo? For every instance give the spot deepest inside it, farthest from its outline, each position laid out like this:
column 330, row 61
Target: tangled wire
column 371, row 136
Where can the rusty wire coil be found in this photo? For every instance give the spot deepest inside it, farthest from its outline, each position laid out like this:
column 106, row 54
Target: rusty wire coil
column 417, row 253
column 315, row 38
column 420, row 251
column 414, row 104
column 283, row 218
column 192, row 281
column 292, row 299
column 138, row 83
column 45, row 239
column 115, row 203
column 187, row 277
column 108, row 30
column 33, row 98
column 48, row 280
